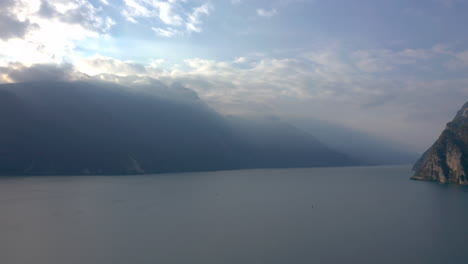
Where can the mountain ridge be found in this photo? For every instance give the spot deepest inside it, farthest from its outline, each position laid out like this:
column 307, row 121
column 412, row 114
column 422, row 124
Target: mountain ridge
column 100, row 128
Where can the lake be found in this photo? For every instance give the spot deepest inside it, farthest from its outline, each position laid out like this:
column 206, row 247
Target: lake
column 318, row 215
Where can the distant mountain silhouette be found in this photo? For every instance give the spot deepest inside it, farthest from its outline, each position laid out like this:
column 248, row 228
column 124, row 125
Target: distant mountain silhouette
column 74, row 128
column 369, row 149
column 270, row 142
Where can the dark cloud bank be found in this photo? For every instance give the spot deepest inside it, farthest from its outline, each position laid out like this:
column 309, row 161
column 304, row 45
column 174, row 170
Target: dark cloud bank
column 58, row 126
column 10, row 25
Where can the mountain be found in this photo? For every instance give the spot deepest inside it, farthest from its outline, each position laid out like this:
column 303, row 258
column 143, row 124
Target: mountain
column 266, row 142
column 447, row 160
column 91, row 127
column 369, row 149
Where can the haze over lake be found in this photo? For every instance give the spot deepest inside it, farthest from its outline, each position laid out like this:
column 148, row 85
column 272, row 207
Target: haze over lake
column 319, row 215
column 233, row 132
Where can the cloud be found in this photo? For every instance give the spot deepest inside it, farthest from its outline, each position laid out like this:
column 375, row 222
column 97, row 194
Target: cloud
column 459, row 61
column 77, row 12
column 328, row 61
column 355, row 80
column 194, row 20
column 101, row 64
column 387, row 60
column 167, row 14
column 43, row 31
column 241, row 60
column 10, row 25
column 174, row 15
column 135, row 8
column 166, row 32
column 378, row 91
column 166, row 11
column 463, row 56
column 267, row 13
column 336, row 86
column 17, row 72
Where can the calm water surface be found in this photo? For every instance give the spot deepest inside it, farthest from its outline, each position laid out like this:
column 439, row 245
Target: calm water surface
column 326, row 215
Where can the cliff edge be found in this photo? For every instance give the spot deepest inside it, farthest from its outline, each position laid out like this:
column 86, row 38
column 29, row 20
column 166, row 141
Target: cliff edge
column 447, row 160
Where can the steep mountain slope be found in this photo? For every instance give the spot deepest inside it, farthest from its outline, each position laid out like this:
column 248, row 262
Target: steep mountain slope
column 267, row 140
column 102, row 128
column 447, row 160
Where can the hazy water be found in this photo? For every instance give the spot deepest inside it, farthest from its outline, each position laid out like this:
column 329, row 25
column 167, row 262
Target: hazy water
column 333, row 215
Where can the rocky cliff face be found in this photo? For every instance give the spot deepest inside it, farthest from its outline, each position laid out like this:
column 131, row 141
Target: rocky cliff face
column 447, row 160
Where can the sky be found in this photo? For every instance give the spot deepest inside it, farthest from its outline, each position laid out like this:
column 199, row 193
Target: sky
column 393, row 68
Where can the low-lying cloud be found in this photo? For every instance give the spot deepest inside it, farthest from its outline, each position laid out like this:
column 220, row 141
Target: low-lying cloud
column 379, row 91
column 17, row 72
column 404, row 91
